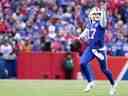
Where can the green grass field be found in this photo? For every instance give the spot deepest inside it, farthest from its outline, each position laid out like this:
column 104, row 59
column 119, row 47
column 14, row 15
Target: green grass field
column 57, row 88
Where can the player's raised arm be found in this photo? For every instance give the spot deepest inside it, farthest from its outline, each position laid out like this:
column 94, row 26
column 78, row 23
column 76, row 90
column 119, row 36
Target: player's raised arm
column 103, row 19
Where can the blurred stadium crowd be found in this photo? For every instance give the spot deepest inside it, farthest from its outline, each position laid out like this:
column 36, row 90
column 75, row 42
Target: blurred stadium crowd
column 53, row 25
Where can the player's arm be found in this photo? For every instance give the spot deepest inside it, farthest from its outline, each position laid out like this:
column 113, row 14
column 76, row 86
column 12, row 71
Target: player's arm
column 103, row 19
column 85, row 34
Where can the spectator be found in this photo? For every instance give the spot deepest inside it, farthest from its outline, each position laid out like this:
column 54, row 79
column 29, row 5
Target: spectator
column 3, row 74
column 25, row 46
column 7, row 50
column 2, row 26
column 68, row 66
column 124, row 11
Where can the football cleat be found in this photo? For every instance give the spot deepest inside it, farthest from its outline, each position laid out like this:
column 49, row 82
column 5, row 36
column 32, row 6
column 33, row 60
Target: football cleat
column 112, row 91
column 89, row 86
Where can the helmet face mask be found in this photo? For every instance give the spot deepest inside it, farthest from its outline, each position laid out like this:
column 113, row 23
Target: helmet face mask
column 95, row 14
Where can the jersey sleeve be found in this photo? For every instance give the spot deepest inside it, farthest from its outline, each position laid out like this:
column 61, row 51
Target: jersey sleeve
column 85, row 34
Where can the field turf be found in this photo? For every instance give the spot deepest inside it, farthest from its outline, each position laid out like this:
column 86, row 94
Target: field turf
column 57, row 88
